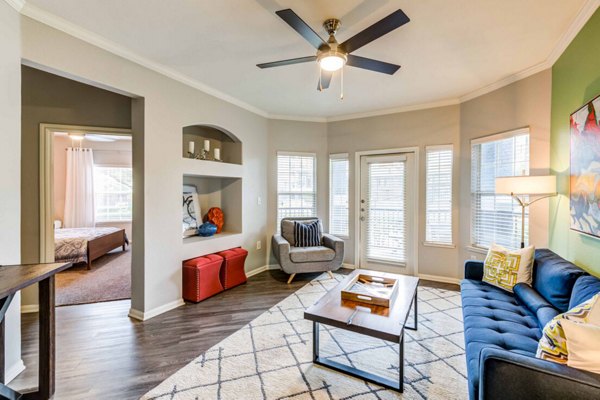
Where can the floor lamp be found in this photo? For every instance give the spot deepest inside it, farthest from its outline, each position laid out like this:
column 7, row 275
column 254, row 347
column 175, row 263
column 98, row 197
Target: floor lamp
column 520, row 186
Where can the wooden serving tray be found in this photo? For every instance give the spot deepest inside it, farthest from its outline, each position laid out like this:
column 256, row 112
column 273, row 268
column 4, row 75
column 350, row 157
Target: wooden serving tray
column 371, row 289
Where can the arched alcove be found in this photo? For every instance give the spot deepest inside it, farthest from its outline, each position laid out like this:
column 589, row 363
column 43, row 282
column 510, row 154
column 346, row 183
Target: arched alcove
column 229, row 145
column 217, row 183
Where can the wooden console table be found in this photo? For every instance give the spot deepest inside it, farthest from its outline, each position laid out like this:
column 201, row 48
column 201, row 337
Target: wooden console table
column 12, row 279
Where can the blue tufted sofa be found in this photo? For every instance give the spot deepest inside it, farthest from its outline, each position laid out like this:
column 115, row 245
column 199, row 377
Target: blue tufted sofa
column 502, row 330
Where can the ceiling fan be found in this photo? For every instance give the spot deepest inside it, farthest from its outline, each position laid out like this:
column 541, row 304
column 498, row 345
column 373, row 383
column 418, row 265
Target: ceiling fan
column 332, row 55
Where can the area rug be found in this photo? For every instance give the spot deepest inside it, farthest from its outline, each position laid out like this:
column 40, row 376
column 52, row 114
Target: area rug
column 270, row 358
column 109, row 279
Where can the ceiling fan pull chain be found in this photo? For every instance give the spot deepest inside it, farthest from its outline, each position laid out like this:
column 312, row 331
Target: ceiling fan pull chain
column 342, row 88
column 320, row 81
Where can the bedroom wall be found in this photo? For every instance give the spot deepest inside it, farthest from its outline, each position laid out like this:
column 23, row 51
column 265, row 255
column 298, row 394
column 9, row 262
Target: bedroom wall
column 48, row 98
column 575, row 81
column 117, row 153
column 10, row 175
column 169, row 106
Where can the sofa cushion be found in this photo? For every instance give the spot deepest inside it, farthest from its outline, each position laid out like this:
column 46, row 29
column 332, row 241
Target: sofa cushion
column 535, row 303
column 494, row 318
column 311, row 254
column 584, row 289
column 287, row 228
column 554, row 278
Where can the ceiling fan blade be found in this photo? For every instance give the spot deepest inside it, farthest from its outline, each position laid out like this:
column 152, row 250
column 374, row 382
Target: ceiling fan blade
column 372, row 65
column 302, row 28
column 375, row 31
column 325, row 80
column 287, row 62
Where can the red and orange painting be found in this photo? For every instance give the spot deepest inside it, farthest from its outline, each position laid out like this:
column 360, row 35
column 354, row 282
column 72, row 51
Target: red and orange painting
column 585, row 169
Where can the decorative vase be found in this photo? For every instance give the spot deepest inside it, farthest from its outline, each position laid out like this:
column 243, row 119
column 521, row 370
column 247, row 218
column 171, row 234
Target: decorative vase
column 216, row 217
column 207, row 229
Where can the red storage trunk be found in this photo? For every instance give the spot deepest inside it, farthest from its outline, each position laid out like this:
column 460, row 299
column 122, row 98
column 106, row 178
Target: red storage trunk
column 232, row 271
column 201, row 277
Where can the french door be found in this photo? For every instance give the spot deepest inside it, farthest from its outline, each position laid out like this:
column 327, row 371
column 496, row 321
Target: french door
column 386, row 212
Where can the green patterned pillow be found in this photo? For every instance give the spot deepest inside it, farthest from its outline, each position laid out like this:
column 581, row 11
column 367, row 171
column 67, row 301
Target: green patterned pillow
column 553, row 343
column 505, row 268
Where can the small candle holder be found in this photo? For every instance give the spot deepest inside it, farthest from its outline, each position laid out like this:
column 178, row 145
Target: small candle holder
column 203, row 155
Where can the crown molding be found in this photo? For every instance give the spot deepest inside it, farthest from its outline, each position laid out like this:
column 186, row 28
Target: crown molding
column 396, row 110
column 16, row 4
column 69, row 28
column 584, row 14
column 34, row 12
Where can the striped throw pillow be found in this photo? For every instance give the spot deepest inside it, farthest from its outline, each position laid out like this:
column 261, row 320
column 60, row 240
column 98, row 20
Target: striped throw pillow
column 307, row 234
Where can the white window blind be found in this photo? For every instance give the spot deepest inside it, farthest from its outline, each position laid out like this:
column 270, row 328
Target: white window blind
column 296, row 186
column 386, row 202
column 497, row 218
column 113, row 187
column 438, row 207
column 339, row 167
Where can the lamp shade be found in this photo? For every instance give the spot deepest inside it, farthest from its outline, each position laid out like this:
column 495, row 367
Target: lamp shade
column 532, row 185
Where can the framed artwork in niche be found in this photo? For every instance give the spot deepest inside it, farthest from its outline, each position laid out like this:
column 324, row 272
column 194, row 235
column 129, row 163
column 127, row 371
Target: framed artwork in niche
column 191, row 213
column 585, row 169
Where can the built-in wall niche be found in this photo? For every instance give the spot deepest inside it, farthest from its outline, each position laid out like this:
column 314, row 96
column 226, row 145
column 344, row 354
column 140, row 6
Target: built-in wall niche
column 229, row 146
column 225, row 193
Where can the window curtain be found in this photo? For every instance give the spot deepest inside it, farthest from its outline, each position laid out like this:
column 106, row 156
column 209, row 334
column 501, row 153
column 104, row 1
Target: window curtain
column 79, row 196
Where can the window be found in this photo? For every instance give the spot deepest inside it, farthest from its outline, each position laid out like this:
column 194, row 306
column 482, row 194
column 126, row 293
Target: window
column 497, row 218
column 438, row 204
column 112, row 193
column 339, row 167
column 296, row 186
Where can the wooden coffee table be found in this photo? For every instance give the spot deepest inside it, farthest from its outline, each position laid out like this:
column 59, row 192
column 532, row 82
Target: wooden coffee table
column 382, row 322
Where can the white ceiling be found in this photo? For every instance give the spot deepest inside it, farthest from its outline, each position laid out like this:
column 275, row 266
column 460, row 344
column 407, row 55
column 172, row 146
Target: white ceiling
column 449, row 49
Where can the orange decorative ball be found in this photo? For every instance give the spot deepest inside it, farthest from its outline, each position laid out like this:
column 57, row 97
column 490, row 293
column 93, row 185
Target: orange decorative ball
column 215, row 216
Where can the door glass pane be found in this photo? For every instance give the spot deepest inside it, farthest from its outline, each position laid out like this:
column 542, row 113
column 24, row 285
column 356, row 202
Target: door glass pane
column 386, row 208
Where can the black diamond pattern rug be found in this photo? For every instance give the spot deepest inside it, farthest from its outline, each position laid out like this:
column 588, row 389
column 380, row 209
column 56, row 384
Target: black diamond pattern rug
column 271, row 357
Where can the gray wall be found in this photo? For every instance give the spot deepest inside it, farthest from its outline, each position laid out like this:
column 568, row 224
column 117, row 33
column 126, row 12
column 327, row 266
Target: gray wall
column 303, row 137
column 520, row 104
column 410, row 129
column 10, row 173
column 169, row 106
column 48, row 98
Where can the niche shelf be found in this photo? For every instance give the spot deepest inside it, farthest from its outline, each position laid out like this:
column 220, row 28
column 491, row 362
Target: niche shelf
column 218, row 183
column 229, row 145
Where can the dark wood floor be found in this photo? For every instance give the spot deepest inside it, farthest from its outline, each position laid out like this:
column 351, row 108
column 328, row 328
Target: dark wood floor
column 103, row 354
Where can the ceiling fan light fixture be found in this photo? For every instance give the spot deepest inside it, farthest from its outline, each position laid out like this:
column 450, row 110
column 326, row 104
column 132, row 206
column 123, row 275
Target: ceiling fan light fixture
column 332, row 60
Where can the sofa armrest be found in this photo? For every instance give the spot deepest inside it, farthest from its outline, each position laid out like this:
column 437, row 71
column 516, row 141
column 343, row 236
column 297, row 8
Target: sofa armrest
column 334, row 243
column 474, row 270
column 508, row 375
column 281, row 248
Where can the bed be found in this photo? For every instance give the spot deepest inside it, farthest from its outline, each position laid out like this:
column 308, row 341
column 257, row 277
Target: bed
column 87, row 244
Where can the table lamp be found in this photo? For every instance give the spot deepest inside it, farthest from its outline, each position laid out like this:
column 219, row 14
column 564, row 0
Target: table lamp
column 519, row 186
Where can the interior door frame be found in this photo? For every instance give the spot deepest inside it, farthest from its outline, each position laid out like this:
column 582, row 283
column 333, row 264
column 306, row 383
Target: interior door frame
column 415, row 150
column 46, row 158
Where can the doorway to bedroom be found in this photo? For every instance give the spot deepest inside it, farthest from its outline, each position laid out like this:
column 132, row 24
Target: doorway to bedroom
column 91, row 208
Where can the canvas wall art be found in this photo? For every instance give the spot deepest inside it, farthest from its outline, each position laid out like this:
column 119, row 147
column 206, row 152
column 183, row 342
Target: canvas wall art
column 192, row 215
column 585, row 169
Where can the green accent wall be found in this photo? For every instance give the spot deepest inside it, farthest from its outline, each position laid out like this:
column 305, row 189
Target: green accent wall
column 575, row 81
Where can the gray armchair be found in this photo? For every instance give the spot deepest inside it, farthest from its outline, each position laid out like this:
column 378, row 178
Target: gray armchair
column 325, row 258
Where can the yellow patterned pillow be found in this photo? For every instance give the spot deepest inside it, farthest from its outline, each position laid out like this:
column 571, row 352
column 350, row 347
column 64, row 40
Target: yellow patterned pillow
column 553, row 343
column 505, row 268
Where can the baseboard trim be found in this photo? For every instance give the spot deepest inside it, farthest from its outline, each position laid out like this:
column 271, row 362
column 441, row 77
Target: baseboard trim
column 30, row 308
column 437, row 278
column 257, row 271
column 348, row 266
column 146, row 315
column 14, row 370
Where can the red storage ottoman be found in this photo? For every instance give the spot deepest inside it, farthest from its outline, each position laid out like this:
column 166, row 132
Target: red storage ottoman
column 201, row 277
column 232, row 271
